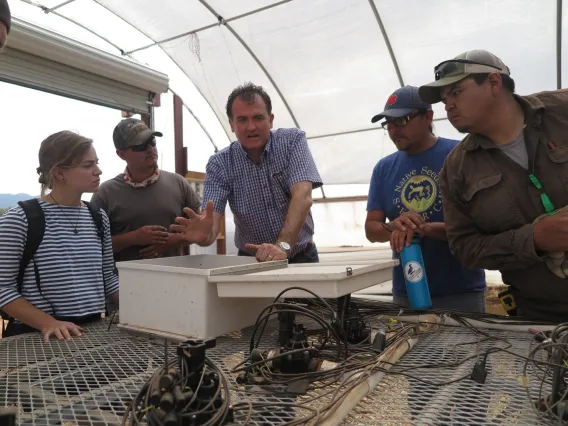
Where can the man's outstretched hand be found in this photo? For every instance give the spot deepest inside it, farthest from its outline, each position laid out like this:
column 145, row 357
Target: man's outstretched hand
column 267, row 252
column 196, row 228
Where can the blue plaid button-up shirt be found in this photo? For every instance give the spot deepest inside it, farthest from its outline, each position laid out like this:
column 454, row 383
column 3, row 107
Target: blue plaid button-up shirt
column 259, row 194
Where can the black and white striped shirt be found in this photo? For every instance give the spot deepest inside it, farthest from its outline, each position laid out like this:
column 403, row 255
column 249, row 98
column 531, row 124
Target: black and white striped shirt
column 70, row 265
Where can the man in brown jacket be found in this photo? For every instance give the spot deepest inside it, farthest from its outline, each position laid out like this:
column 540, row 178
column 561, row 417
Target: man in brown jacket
column 510, row 170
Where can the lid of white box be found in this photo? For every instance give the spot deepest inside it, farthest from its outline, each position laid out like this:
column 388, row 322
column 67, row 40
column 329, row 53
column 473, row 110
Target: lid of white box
column 205, row 264
column 306, row 272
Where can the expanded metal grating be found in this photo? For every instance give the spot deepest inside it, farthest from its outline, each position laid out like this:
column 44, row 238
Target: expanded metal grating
column 88, row 381
column 501, row 400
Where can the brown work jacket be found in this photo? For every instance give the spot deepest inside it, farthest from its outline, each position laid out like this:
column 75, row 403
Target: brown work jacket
column 490, row 204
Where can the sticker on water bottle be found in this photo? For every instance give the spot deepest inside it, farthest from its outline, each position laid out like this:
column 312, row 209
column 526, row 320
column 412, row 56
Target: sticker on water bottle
column 413, row 272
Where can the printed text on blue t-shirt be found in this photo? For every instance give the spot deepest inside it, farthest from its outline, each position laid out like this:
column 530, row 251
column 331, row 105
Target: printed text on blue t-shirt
column 418, row 191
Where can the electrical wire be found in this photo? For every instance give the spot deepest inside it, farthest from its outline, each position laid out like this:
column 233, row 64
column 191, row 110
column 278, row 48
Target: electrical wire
column 349, row 365
column 111, row 322
column 554, row 349
column 333, row 314
column 193, row 392
column 373, row 307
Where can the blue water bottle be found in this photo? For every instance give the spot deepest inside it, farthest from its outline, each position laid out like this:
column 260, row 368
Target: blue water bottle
column 415, row 275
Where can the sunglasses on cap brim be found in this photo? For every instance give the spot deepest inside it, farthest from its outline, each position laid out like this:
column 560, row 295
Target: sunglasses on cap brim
column 447, row 67
column 144, row 146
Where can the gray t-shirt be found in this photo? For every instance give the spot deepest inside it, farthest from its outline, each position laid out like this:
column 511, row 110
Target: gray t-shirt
column 517, row 151
column 131, row 208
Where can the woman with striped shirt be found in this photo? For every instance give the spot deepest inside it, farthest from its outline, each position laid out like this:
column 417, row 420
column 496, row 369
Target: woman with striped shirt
column 76, row 272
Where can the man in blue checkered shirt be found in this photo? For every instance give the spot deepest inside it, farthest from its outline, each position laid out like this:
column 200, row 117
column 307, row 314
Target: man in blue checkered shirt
column 267, row 176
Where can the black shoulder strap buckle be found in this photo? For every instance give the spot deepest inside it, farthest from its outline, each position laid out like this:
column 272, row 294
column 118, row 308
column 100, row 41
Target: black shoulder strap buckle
column 98, row 219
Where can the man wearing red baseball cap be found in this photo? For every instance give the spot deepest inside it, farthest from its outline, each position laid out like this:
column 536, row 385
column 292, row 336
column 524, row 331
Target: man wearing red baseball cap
column 404, row 189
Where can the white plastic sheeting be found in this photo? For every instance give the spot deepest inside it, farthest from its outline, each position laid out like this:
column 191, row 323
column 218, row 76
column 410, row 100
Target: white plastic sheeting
column 325, row 63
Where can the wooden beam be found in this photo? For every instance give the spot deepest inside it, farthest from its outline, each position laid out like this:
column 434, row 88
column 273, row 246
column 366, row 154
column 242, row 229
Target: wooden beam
column 180, row 162
column 340, row 199
column 195, row 176
column 147, row 119
column 221, row 241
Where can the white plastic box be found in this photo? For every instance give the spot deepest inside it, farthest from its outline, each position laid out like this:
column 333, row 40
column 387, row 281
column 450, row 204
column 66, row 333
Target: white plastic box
column 173, row 296
column 327, row 280
column 210, row 295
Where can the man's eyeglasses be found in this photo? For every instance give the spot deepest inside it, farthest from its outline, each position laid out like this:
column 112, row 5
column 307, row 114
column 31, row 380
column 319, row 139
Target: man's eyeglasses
column 144, row 146
column 401, row 121
column 450, row 66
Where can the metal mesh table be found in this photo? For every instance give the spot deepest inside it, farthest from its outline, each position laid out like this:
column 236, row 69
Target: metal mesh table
column 501, row 400
column 90, row 380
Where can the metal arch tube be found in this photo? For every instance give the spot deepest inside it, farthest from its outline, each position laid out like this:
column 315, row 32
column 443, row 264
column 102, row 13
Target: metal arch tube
column 256, row 59
column 387, row 42
column 206, row 27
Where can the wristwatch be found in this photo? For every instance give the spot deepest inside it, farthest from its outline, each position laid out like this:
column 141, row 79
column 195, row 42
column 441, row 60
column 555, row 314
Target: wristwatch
column 285, row 247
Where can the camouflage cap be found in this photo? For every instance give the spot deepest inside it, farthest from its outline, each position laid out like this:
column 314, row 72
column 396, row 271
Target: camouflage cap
column 462, row 66
column 132, row 132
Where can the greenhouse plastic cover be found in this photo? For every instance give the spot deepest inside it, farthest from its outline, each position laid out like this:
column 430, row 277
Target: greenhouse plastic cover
column 329, row 65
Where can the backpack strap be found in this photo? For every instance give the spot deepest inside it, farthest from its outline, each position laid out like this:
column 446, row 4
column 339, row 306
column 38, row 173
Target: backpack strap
column 36, row 230
column 98, row 220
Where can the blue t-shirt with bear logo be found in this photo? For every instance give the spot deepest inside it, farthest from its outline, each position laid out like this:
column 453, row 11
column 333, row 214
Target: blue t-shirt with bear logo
column 403, row 182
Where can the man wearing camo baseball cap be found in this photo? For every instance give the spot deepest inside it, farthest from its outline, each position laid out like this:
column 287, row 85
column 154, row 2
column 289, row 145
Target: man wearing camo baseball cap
column 143, row 201
column 462, row 66
column 504, row 183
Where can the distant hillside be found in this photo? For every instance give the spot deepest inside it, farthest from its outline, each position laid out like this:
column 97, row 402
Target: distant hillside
column 11, row 200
